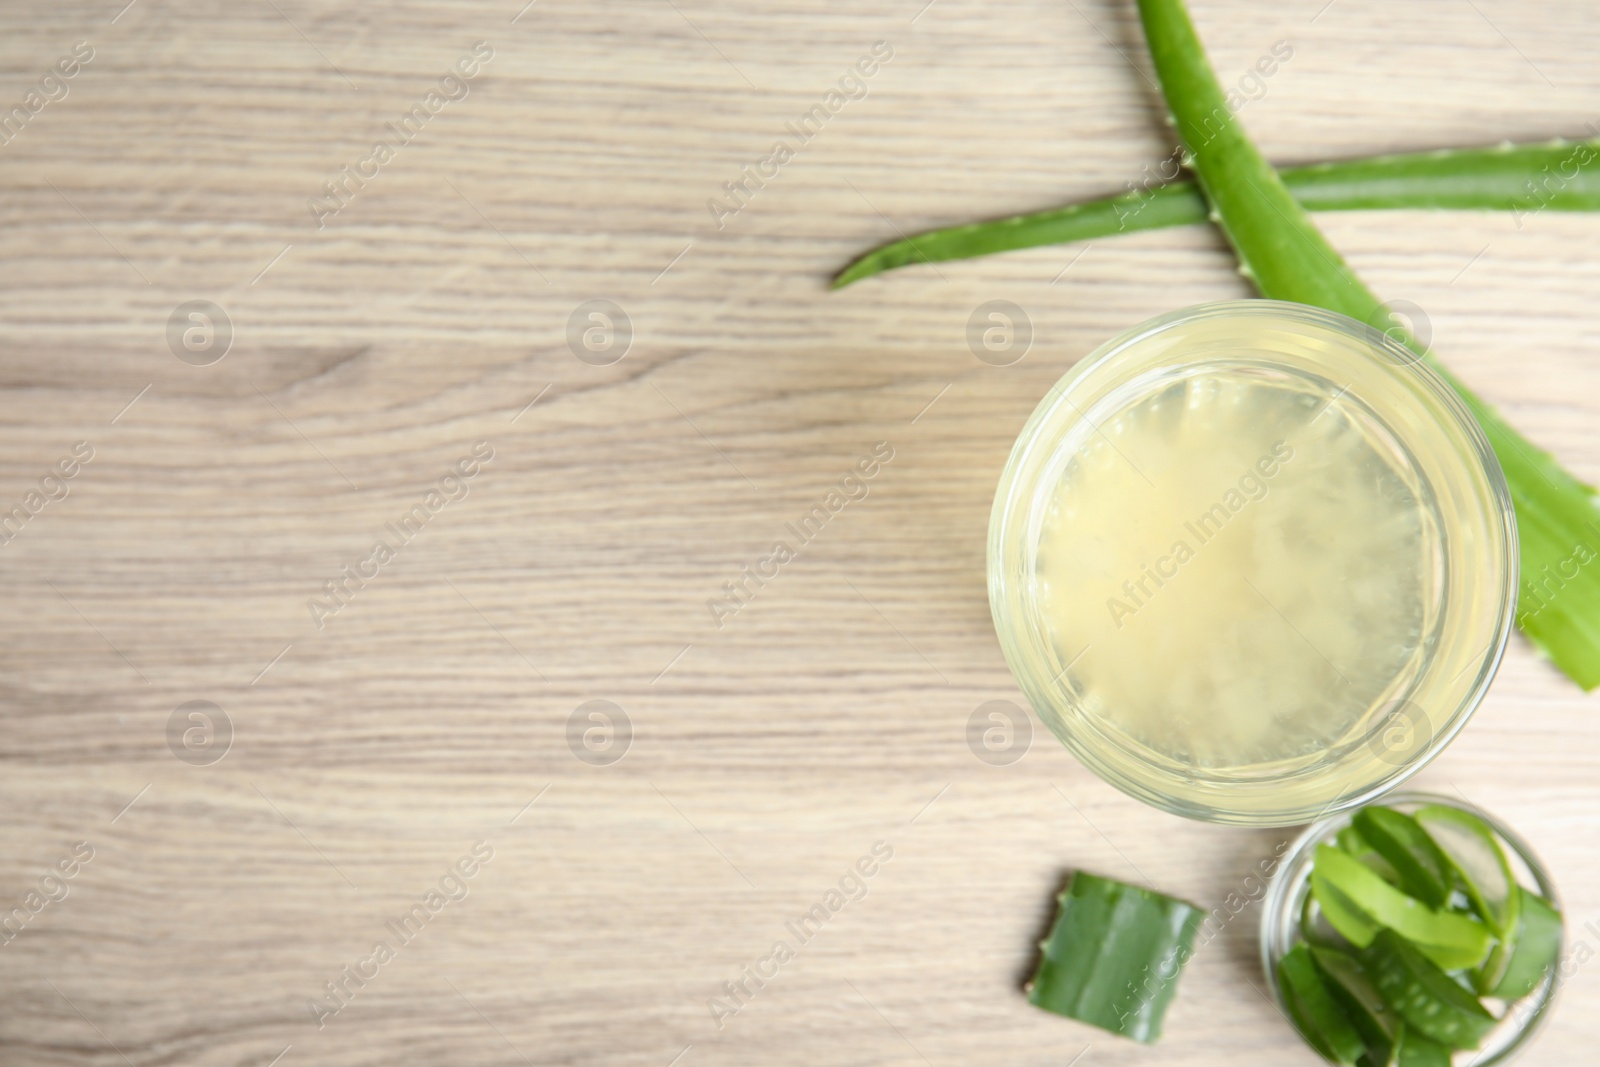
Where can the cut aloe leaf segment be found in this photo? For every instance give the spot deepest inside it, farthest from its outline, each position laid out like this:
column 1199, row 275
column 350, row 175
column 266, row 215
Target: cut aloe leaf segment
column 1342, row 913
column 1481, row 863
column 1377, row 1023
column 1114, row 955
column 1351, row 841
column 1315, row 929
column 1423, row 870
column 1429, row 1000
column 1415, row 1050
column 1314, row 1009
column 1453, row 941
column 1518, row 966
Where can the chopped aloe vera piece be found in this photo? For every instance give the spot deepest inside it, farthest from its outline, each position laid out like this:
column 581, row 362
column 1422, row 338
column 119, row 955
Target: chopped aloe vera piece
column 1423, row 870
column 1353, row 924
column 1357, row 901
column 1486, row 978
column 1113, row 956
column 1516, row 967
column 1303, row 1022
column 1415, row 1050
column 1374, row 1020
column 1350, row 840
column 1429, row 1000
column 1315, row 927
column 1366, row 1059
column 1321, row 1019
column 1475, row 852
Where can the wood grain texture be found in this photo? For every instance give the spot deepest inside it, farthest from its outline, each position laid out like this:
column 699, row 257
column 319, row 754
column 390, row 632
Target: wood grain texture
column 371, row 354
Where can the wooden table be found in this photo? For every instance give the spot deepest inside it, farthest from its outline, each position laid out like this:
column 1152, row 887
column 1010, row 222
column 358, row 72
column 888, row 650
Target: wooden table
column 375, row 331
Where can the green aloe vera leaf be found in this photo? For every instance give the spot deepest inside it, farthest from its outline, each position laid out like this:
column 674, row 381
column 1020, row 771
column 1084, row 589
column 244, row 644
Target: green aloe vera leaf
column 1558, row 532
column 1517, row 178
column 1176, row 204
column 1114, row 955
column 1320, row 1017
column 1287, row 257
column 1350, row 985
column 1415, row 1050
column 1475, row 854
column 1350, row 840
column 1344, row 884
column 1518, row 966
column 1429, row 1000
column 1424, row 871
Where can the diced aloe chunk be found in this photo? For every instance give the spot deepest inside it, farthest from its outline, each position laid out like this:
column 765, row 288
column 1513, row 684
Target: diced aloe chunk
column 1351, row 840
column 1357, row 901
column 1416, row 1050
column 1429, row 1000
column 1374, row 1020
column 1517, row 967
column 1316, row 929
column 1424, row 871
column 1113, row 956
column 1312, row 1006
column 1475, row 853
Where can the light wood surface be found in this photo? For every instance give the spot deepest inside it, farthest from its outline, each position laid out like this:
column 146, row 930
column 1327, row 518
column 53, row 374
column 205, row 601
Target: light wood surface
column 767, row 755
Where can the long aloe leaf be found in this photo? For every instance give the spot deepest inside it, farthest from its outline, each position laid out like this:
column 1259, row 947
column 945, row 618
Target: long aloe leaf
column 1522, row 179
column 1289, row 259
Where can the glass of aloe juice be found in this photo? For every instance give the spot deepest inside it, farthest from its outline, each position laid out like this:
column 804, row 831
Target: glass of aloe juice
column 1252, row 562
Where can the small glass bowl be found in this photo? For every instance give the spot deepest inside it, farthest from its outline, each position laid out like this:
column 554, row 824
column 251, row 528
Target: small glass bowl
column 1286, row 896
column 1428, row 437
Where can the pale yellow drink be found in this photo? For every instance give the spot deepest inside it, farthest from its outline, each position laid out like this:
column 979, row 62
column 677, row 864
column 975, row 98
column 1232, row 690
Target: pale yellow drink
column 1251, row 563
column 1257, row 566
